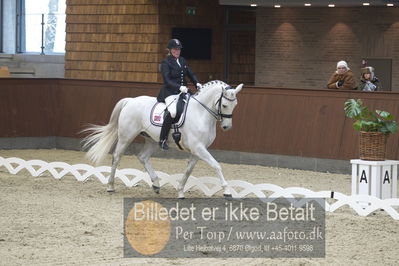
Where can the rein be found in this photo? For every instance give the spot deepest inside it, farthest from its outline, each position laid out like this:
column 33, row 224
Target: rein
column 219, row 115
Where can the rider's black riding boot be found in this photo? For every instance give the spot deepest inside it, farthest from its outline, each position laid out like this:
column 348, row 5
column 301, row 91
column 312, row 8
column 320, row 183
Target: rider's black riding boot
column 163, row 138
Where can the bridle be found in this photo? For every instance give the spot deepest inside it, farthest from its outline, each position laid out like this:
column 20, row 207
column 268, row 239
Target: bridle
column 219, row 115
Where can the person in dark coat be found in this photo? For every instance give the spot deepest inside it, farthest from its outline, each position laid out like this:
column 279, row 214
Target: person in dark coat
column 368, row 80
column 174, row 71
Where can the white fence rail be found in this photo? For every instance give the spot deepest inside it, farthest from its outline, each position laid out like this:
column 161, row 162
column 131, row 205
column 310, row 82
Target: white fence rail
column 208, row 185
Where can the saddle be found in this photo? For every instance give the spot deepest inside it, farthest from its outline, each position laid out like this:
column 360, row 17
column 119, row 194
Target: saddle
column 158, row 112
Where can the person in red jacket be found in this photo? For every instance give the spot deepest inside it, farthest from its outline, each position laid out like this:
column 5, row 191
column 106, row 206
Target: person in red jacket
column 342, row 78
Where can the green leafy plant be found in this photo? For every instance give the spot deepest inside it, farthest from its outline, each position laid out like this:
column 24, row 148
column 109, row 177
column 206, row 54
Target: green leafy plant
column 365, row 120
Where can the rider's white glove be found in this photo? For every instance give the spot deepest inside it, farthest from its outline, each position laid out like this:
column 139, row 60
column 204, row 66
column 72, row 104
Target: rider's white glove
column 199, row 86
column 183, row 89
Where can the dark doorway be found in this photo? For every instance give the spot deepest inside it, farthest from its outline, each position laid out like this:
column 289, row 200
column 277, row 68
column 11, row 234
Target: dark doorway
column 383, row 70
column 240, row 33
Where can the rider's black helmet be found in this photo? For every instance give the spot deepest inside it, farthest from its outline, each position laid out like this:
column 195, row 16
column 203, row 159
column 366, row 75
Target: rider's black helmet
column 174, row 43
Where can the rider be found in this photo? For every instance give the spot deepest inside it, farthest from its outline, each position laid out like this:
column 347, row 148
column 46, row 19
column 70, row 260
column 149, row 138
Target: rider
column 174, row 70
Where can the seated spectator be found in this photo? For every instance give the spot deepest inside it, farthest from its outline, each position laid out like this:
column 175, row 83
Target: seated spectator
column 342, row 79
column 368, row 80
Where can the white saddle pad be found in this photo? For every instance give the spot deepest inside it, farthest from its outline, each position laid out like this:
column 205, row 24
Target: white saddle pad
column 158, row 112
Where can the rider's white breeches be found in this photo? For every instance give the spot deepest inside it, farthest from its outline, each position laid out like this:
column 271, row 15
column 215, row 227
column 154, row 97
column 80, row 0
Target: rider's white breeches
column 171, row 103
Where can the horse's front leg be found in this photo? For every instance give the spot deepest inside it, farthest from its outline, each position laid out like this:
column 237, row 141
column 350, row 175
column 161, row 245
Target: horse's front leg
column 182, row 182
column 204, row 155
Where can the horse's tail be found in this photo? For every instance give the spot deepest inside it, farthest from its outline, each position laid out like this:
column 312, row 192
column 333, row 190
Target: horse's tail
column 102, row 138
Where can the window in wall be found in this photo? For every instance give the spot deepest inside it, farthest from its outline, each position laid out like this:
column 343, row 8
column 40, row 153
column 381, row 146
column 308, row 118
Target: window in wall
column 42, row 26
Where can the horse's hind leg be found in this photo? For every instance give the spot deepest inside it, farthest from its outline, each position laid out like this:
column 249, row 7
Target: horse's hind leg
column 149, row 148
column 182, row 182
column 116, row 157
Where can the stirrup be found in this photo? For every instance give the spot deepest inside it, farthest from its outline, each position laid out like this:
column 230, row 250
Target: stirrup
column 164, row 145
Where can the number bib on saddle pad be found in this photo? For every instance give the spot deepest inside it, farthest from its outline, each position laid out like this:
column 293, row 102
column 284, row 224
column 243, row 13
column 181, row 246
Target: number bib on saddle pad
column 158, row 111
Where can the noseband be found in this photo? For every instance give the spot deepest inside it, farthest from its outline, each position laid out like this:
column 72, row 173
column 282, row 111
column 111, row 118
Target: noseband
column 219, row 115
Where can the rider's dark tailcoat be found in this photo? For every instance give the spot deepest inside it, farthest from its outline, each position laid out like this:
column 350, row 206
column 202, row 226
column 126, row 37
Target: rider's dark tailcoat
column 174, row 76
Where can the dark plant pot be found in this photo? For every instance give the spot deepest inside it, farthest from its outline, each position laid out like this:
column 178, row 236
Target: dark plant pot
column 372, row 146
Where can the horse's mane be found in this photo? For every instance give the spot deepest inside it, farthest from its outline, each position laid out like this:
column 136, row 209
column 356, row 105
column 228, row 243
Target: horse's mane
column 212, row 84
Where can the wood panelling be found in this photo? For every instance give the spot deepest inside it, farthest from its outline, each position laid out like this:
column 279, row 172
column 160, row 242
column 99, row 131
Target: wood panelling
column 241, row 26
column 242, row 57
column 112, row 57
column 94, row 103
column 111, row 8
column 209, row 14
column 113, row 66
column 112, row 47
column 112, row 37
column 110, row 40
column 114, row 28
column 242, row 16
column 298, row 122
column 113, row 75
column 28, row 107
column 108, row 2
column 119, row 19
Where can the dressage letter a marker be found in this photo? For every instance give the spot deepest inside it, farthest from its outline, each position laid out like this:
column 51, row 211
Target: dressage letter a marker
column 386, row 178
column 363, row 177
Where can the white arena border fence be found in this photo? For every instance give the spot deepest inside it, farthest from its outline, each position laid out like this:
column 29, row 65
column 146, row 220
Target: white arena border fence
column 208, row 185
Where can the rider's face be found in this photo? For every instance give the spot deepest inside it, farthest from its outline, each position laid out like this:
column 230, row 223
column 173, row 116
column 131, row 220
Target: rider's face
column 175, row 52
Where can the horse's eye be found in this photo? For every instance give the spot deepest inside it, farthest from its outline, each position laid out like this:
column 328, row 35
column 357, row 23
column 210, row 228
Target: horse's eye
column 224, row 106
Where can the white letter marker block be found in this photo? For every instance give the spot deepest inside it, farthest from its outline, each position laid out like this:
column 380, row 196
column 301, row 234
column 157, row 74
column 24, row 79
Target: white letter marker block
column 375, row 178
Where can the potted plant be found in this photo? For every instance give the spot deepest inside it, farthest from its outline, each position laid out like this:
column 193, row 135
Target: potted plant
column 374, row 126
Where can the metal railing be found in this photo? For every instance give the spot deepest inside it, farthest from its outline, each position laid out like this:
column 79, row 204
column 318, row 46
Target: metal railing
column 50, row 28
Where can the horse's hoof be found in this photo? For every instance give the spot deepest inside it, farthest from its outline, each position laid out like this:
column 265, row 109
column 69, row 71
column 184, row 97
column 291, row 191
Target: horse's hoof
column 156, row 189
column 182, row 198
column 227, row 196
column 110, row 190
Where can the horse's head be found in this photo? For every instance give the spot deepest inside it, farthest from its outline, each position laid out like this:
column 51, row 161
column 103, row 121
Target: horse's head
column 226, row 104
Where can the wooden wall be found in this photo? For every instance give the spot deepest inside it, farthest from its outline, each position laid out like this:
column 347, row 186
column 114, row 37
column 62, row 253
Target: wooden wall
column 241, row 42
column 209, row 14
column 125, row 40
column 298, row 122
column 28, row 107
column 112, row 40
column 241, row 57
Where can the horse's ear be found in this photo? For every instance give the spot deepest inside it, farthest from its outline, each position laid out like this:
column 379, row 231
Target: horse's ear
column 238, row 88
